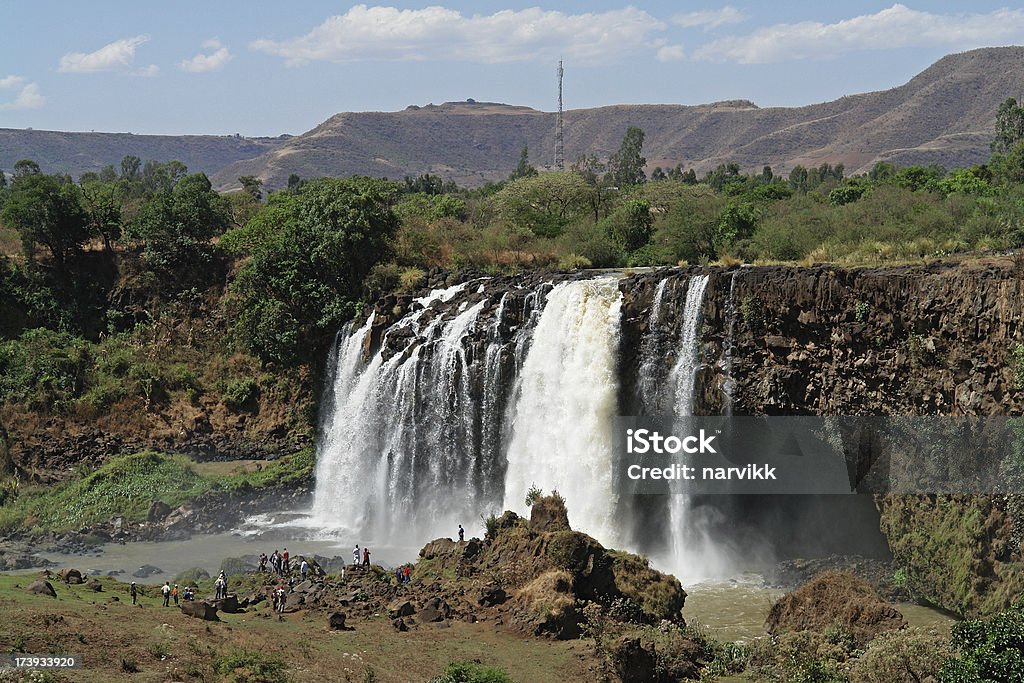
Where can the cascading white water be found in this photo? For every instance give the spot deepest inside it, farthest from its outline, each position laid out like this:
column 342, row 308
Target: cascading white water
column 694, row 554
column 729, row 347
column 562, row 425
column 683, row 377
column 372, row 479
column 474, row 397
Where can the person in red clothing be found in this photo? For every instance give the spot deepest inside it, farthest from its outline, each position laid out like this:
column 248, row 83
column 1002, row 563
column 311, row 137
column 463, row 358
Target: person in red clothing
column 408, row 570
column 284, row 559
column 366, row 557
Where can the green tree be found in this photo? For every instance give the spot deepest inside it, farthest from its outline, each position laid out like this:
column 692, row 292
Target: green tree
column 544, row 204
column 130, row 167
column 47, row 212
column 627, row 164
column 26, row 167
column 991, row 650
column 177, row 224
column 252, row 186
column 630, row 225
column 523, row 168
column 1009, row 126
column 308, row 257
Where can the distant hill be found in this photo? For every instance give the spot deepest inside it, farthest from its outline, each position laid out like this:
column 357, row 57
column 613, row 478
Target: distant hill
column 76, row 153
column 943, row 115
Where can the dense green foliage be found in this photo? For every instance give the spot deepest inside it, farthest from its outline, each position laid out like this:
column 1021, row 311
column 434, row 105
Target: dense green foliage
column 990, row 650
column 308, row 257
column 143, row 282
column 127, row 485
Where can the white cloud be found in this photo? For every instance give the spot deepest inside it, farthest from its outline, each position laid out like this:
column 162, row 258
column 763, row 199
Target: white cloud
column 28, row 98
column 391, row 34
column 710, row 18
column 671, row 53
column 214, row 61
column 115, row 56
column 147, row 71
column 897, row 26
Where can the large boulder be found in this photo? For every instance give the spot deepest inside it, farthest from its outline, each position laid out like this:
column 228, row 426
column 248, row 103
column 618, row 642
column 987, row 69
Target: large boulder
column 491, row 595
column 434, row 609
column 400, row 608
column 835, row 598
column 228, row 604
column 200, row 609
column 635, row 663
column 71, row 576
column 41, row 587
column 547, row 606
column 158, row 511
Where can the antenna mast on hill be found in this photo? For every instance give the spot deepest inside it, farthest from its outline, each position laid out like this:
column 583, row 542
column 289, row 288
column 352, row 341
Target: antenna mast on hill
column 559, row 148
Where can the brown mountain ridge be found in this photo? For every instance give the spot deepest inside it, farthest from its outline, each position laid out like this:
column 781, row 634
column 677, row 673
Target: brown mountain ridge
column 943, row 115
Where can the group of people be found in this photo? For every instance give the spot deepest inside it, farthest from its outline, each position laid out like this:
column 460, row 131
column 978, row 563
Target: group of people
column 403, row 574
column 169, row 593
column 280, row 562
column 220, row 586
column 365, row 556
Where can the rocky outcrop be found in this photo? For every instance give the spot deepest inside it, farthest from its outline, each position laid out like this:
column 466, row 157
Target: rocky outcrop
column 200, row 609
column 932, row 339
column 835, row 599
column 41, row 587
column 910, row 340
column 540, row 580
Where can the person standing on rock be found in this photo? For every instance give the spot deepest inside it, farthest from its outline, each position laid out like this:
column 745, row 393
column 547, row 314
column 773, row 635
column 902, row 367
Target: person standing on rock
column 263, row 563
column 166, row 591
column 134, row 591
column 355, row 556
column 366, row 557
column 407, row 572
column 174, row 594
column 304, row 568
column 462, row 534
column 284, row 559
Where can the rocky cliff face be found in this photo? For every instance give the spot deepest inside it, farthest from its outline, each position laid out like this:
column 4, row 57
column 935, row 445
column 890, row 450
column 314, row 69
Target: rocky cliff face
column 935, row 340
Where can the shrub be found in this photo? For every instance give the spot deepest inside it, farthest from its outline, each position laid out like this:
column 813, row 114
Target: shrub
column 904, row 656
column 241, row 393
column 249, row 666
column 533, row 495
column 472, row 672
column 990, row 650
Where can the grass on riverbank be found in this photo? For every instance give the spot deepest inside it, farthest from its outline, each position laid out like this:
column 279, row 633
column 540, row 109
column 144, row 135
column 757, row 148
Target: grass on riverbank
column 127, row 485
column 144, row 643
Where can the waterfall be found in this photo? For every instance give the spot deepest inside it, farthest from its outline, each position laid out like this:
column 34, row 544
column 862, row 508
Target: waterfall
column 729, row 347
column 694, row 554
column 562, row 425
column 402, row 442
column 480, row 392
column 684, row 372
column 414, row 441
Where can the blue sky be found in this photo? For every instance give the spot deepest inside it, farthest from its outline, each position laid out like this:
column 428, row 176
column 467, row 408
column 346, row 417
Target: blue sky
column 266, row 68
